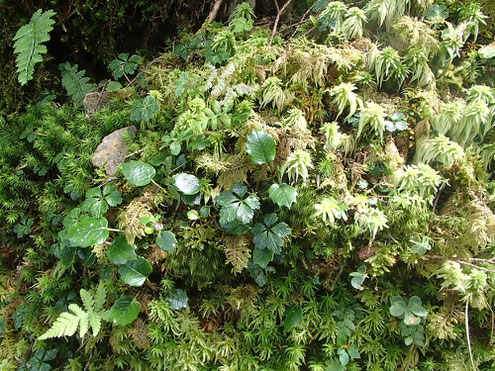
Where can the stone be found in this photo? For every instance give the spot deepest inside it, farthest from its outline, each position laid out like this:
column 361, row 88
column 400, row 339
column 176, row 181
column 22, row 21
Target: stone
column 112, row 150
column 95, row 101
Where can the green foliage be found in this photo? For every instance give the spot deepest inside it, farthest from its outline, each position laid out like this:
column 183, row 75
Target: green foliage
column 29, row 41
column 138, row 173
column 211, row 261
column 261, row 147
column 89, row 317
column 75, row 83
column 124, row 65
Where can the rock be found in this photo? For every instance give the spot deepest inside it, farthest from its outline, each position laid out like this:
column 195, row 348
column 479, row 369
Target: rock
column 95, row 100
column 112, row 150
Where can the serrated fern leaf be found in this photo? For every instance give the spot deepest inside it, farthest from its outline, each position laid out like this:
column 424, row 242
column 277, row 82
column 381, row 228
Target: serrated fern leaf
column 100, row 297
column 88, row 300
column 75, row 83
column 29, row 41
column 83, row 319
column 65, row 325
column 95, row 322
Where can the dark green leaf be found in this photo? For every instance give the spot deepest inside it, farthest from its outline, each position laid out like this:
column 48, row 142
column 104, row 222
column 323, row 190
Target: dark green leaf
column 119, row 252
column 261, row 147
column 138, row 173
column 178, row 300
column 124, row 311
column 135, row 272
column 87, row 232
column 187, row 184
column 282, row 195
column 262, row 256
column 166, row 241
column 293, row 316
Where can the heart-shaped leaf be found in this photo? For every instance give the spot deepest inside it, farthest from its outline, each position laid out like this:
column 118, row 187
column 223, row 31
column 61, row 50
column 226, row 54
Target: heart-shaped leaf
column 86, row 232
column 134, row 272
column 282, row 195
column 188, row 184
column 293, row 315
column 124, row 311
column 166, row 241
column 120, row 252
column 261, row 147
column 138, row 173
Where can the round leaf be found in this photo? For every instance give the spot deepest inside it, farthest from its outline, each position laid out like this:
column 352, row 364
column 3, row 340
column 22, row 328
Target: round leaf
column 135, row 272
column 187, row 184
column 261, row 147
column 138, row 173
column 120, row 251
column 166, row 241
column 124, row 311
column 87, row 232
column 416, row 307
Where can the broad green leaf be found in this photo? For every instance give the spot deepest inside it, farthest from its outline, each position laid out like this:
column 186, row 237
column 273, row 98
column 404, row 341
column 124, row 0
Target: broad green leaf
column 144, row 109
column 261, row 147
column 120, row 252
column 416, row 307
column 113, row 86
column 178, row 300
column 358, row 277
column 166, row 241
column 86, row 232
column 293, row 316
column 138, row 173
column 282, row 195
column 192, row 215
column 135, row 272
column 437, row 12
column 398, row 306
column 124, row 311
column 87, row 256
column 234, row 208
column 343, row 356
column 187, row 184
column 262, row 257
column 270, row 235
column 96, row 206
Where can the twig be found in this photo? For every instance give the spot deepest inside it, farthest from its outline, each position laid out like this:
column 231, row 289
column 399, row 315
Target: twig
column 466, row 313
column 463, row 261
column 134, row 153
column 277, row 19
column 20, row 167
column 301, row 22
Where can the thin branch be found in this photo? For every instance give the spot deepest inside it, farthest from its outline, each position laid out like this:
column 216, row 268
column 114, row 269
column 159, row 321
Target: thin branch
column 277, row 19
column 301, row 22
column 464, row 261
column 466, row 313
column 134, row 153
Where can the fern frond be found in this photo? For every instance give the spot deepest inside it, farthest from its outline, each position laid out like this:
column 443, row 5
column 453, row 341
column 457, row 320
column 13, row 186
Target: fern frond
column 65, row 325
column 82, row 317
column 74, row 82
column 100, row 297
column 95, row 322
column 29, row 41
column 88, row 300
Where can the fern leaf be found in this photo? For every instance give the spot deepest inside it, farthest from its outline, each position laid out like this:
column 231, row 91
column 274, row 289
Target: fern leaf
column 29, row 41
column 75, row 83
column 88, row 300
column 65, row 325
column 100, row 297
column 95, row 322
column 83, row 319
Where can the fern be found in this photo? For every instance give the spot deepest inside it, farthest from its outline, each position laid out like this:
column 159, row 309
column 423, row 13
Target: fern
column 74, row 82
column 29, row 41
column 67, row 323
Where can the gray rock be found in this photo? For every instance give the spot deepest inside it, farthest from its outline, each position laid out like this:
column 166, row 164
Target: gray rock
column 112, row 150
column 95, row 101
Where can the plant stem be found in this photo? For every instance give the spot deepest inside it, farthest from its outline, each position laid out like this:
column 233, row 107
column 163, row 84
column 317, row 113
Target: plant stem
column 159, row 186
column 466, row 313
column 114, row 230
